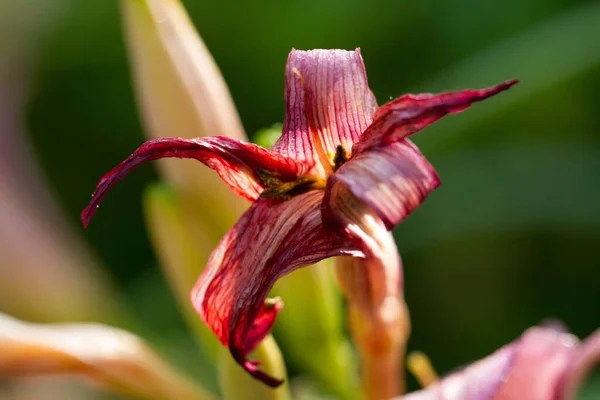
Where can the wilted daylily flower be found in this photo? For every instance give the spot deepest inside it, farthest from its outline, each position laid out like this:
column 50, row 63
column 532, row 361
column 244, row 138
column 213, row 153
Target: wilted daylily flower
column 546, row 363
column 341, row 167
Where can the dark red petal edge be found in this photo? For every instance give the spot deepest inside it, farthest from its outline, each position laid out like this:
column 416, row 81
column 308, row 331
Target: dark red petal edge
column 235, row 161
column 270, row 240
column 410, row 113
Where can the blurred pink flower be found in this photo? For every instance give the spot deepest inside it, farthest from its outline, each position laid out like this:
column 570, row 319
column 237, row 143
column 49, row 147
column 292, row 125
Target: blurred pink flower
column 546, row 363
column 338, row 154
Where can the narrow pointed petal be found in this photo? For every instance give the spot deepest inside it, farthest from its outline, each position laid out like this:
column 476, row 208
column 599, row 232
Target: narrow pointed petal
column 271, row 239
column 585, row 360
column 107, row 355
column 237, row 163
column 373, row 286
column 410, row 113
column 392, row 180
column 328, row 104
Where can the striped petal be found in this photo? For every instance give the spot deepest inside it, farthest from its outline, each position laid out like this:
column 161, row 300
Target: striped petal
column 241, row 165
column 410, row 113
column 328, row 104
column 392, row 180
column 270, row 240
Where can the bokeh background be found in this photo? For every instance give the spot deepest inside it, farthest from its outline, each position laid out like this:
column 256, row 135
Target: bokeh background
column 510, row 239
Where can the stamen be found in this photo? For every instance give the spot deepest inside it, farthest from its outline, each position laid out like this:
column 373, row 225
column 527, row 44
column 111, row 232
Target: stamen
column 420, row 366
column 316, row 139
column 341, row 156
column 277, row 188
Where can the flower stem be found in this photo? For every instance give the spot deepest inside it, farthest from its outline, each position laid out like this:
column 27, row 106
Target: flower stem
column 379, row 327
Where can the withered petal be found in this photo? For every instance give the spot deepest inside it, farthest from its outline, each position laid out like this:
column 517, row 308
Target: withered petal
column 271, row 239
column 410, row 113
column 392, row 180
column 238, row 163
column 328, row 104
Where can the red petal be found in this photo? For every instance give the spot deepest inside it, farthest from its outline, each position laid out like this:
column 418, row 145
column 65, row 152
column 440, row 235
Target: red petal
column 328, row 104
column 270, row 240
column 235, row 161
column 392, row 180
column 410, row 113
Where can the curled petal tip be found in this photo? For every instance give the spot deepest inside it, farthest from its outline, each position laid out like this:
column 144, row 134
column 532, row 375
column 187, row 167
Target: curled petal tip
column 87, row 214
column 252, row 368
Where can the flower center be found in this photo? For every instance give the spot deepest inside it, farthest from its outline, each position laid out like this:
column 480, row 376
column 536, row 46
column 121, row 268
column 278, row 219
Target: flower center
column 277, row 188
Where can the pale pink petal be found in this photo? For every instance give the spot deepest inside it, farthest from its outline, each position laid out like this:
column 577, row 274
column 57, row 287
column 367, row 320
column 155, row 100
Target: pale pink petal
column 271, row 239
column 238, row 163
column 478, row 381
column 532, row 368
column 585, row 360
column 393, row 180
column 329, row 104
column 410, row 113
column 543, row 357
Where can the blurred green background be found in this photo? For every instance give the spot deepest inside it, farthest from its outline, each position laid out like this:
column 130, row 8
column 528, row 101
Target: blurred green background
column 509, row 239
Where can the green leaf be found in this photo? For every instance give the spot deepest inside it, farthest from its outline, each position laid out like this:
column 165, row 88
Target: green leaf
column 182, row 253
column 318, row 347
column 541, row 57
column 181, row 93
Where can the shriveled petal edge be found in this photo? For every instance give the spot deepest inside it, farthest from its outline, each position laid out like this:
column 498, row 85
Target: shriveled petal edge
column 238, row 163
column 234, row 305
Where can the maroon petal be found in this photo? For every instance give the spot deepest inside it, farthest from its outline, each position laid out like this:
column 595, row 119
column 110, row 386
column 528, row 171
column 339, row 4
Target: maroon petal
column 237, row 163
column 328, row 104
column 270, row 240
column 392, row 180
column 410, row 113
